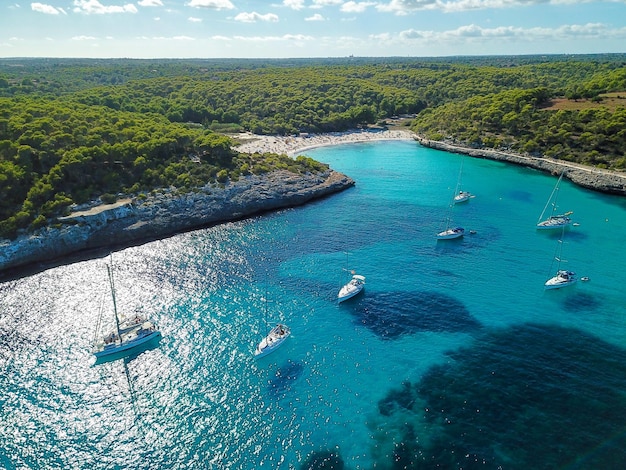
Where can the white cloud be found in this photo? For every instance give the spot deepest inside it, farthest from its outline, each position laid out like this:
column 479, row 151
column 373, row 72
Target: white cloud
column 213, row 4
column 150, row 3
column 254, row 17
column 404, row 7
column 294, row 4
column 476, row 34
column 47, row 9
column 165, row 38
column 192, row 19
column 95, row 7
column 325, row 3
column 286, row 37
column 356, row 7
column 84, row 38
column 315, row 17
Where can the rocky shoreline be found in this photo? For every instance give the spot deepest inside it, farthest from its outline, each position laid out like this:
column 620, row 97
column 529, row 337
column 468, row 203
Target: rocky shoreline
column 605, row 181
column 159, row 215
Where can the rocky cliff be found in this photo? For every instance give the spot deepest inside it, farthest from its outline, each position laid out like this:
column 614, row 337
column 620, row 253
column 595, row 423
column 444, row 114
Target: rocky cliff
column 163, row 214
column 593, row 178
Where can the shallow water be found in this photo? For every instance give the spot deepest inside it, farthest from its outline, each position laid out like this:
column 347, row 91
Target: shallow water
column 453, row 355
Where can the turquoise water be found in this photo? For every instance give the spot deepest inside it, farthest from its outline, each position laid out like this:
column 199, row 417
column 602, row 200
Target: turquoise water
column 454, row 356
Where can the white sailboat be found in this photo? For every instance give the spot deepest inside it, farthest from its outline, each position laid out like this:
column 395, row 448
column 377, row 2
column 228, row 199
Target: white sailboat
column 451, row 232
column 459, row 194
column 273, row 340
column 563, row 277
column 554, row 220
column 128, row 334
column 355, row 285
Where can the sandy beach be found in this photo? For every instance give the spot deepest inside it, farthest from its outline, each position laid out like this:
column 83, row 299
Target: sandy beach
column 296, row 145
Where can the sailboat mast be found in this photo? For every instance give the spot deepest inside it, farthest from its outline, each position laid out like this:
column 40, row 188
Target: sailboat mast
column 458, row 182
column 117, row 321
column 552, row 199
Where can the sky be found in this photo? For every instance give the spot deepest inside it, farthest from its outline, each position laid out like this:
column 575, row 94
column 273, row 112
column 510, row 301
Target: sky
column 309, row 28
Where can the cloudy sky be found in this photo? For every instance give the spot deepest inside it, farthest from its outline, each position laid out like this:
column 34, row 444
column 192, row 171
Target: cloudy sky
column 308, row 28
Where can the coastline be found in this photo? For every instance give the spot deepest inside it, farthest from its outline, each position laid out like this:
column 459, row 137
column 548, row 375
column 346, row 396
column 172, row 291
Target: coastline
column 133, row 221
column 597, row 179
column 605, row 181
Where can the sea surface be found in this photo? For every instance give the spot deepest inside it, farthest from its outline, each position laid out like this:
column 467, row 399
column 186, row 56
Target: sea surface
column 454, row 356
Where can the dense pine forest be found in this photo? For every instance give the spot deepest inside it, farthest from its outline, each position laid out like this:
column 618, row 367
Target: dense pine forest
column 75, row 130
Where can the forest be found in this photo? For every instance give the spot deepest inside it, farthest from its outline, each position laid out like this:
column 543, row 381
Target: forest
column 79, row 130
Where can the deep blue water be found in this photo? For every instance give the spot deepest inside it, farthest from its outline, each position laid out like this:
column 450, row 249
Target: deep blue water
column 454, row 356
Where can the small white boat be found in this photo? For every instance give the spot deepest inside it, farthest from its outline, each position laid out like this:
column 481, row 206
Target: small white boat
column 554, row 221
column 128, row 335
column 451, row 233
column 462, row 196
column 352, row 288
column 562, row 279
column 274, row 340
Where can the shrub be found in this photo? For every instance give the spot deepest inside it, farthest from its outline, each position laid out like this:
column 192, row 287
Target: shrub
column 108, row 198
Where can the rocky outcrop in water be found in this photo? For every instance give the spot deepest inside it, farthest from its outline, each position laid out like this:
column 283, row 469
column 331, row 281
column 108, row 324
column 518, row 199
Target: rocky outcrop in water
column 159, row 215
column 593, row 178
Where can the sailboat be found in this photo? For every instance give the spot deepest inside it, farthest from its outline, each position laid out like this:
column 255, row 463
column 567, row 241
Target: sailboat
column 459, row 194
column 555, row 220
column 451, row 232
column 563, row 277
column 274, row 339
column 128, row 334
column 355, row 285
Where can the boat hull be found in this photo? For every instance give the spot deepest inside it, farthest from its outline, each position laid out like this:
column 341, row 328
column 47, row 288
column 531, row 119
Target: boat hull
column 343, row 296
column 462, row 197
column 562, row 279
column 352, row 288
column 552, row 225
column 558, row 285
column 451, row 234
column 272, row 342
column 127, row 346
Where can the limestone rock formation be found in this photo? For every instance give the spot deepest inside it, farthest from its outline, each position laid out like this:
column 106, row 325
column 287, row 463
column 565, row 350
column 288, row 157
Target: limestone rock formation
column 165, row 213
